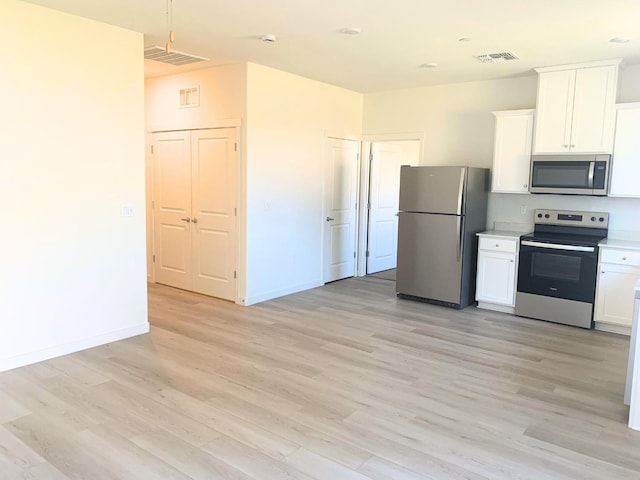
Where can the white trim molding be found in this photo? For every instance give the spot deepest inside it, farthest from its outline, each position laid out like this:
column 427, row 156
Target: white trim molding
column 72, row 347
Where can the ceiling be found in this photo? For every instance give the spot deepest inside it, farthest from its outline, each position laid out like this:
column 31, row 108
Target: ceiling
column 396, row 37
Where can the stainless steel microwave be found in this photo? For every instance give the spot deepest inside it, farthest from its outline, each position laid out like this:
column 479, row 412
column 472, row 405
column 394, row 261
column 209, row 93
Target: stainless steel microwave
column 570, row 174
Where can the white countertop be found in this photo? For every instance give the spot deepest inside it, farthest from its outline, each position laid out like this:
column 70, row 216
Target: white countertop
column 508, row 234
column 619, row 244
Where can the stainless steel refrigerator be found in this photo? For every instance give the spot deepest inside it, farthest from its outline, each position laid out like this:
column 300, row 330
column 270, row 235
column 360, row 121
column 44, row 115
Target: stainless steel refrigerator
column 441, row 210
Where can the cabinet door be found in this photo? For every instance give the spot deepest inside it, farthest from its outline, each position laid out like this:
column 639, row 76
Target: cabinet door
column 615, row 293
column 512, row 151
column 593, row 110
column 626, row 153
column 554, row 109
column 496, row 278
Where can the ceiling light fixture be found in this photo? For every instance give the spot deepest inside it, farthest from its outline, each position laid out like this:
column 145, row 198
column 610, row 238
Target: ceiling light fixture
column 350, row 31
column 170, row 35
column 620, row 40
column 428, row 65
column 464, row 39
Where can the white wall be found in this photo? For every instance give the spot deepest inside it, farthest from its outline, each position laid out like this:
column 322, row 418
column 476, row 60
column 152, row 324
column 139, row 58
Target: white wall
column 288, row 119
column 222, row 97
column 456, row 119
column 72, row 271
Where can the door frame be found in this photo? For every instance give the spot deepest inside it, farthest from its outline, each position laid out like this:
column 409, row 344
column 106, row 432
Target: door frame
column 240, row 232
column 365, row 186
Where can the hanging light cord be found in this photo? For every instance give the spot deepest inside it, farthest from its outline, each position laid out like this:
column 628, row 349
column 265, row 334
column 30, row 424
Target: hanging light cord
column 170, row 36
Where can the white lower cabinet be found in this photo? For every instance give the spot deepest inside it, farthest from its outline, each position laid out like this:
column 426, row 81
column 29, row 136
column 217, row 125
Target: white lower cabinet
column 497, row 272
column 618, row 273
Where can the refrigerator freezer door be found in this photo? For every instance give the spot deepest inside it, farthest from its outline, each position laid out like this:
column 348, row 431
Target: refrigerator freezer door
column 430, row 256
column 432, row 189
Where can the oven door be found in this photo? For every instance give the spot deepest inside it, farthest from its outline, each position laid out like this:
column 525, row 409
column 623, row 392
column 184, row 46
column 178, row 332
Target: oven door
column 558, row 270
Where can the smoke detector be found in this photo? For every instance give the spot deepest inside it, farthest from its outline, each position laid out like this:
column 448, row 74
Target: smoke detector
column 269, row 38
column 159, row 54
column 496, row 57
column 350, row 31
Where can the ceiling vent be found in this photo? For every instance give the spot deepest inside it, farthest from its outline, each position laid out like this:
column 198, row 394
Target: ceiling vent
column 497, row 57
column 159, row 54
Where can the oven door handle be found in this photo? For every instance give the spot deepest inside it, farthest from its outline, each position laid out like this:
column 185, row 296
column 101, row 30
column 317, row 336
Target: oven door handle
column 557, row 246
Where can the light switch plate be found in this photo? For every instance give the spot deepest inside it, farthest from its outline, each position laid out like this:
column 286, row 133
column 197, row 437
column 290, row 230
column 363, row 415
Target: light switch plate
column 126, row 210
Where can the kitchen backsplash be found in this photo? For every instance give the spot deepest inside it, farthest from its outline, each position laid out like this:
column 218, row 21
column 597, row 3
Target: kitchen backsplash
column 515, row 212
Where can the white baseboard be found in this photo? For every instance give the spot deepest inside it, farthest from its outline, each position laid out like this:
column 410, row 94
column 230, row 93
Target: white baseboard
column 613, row 328
column 71, row 347
column 263, row 297
column 496, row 307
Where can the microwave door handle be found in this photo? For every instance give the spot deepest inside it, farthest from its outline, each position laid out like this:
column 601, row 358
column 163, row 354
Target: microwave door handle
column 592, row 167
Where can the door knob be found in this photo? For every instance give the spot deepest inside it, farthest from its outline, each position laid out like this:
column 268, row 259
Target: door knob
column 186, row 219
column 195, row 220
column 329, row 219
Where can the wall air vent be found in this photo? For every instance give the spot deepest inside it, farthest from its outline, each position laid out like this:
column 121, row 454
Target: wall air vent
column 159, row 54
column 497, row 57
column 190, row 97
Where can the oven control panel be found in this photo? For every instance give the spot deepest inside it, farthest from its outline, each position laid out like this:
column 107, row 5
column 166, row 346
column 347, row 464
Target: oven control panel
column 573, row 218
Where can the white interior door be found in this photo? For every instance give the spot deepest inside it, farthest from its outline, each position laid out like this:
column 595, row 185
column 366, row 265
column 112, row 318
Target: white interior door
column 172, row 210
column 214, row 216
column 384, row 188
column 341, row 182
column 194, row 216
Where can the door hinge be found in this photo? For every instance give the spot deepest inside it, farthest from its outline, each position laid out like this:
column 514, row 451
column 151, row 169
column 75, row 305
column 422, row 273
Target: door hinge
column 235, row 212
column 153, row 204
column 235, row 146
column 367, row 253
column 354, row 254
column 234, row 274
column 154, row 259
column 152, row 149
column 371, row 157
column 369, row 206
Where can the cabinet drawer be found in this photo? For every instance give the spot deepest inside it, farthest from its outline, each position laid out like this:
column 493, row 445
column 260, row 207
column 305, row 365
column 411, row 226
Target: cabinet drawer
column 498, row 244
column 621, row 257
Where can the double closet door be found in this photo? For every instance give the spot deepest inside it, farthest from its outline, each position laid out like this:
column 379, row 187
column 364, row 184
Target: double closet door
column 194, row 209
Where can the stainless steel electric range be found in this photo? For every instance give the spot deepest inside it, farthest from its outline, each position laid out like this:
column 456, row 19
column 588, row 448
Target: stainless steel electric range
column 558, row 265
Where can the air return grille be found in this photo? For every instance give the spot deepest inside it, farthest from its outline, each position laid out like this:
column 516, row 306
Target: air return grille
column 159, row 54
column 497, row 57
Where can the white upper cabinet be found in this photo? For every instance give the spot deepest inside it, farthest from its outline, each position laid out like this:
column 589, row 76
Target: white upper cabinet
column 626, row 152
column 575, row 108
column 512, row 151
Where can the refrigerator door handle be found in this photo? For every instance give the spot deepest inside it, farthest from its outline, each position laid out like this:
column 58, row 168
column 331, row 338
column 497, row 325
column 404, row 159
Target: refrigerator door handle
column 460, row 228
column 463, row 172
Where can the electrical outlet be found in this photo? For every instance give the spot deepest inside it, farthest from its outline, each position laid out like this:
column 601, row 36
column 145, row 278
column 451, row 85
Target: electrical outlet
column 523, row 209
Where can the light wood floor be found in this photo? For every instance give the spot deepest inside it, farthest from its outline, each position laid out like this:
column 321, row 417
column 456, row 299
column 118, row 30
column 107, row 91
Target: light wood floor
column 340, row 382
